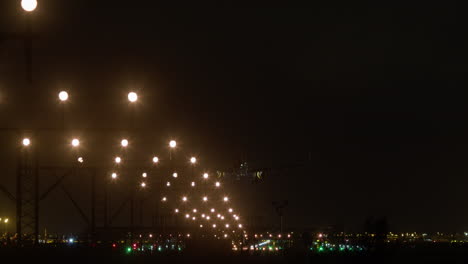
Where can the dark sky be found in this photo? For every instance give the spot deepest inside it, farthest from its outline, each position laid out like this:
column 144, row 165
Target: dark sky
column 369, row 98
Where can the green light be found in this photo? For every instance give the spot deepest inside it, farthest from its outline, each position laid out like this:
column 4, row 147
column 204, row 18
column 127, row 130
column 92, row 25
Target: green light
column 320, row 249
column 129, row 249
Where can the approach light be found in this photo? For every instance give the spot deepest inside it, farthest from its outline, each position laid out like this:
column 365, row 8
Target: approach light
column 193, row 160
column 124, row 143
column 143, row 184
column 114, row 175
column 29, row 5
column 225, row 199
column 184, row 198
column 132, row 97
column 26, row 142
column 205, row 175
column 118, row 160
column 172, row 144
column 155, row 159
column 217, row 184
column 63, row 96
column 174, row 175
column 75, row 142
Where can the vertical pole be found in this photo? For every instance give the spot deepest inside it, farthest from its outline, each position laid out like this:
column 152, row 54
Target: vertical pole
column 19, row 196
column 36, row 198
column 93, row 205
column 106, row 193
column 132, row 204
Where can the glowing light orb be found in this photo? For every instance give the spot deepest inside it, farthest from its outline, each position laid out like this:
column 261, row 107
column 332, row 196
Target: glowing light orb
column 155, row 159
column 63, row 96
column 124, row 143
column 143, row 184
column 114, row 175
column 193, row 160
column 217, row 184
column 26, row 142
column 28, row 5
column 75, row 142
column 174, row 174
column 205, row 175
column 172, row 144
column 118, row 160
column 132, row 97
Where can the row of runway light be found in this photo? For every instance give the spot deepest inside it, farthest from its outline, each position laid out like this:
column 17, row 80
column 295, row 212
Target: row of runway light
column 207, row 218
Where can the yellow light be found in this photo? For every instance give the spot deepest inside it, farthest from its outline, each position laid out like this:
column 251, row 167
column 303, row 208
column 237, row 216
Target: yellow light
column 230, row 210
column 201, row 225
column 155, row 159
column 193, row 184
column 205, row 175
column 174, row 175
column 212, row 210
column 203, row 215
column 218, row 215
column 194, row 210
column 124, row 143
column 144, row 174
column 214, row 225
column 217, row 184
column 193, row 160
column 63, row 96
column 6, row 220
column 187, row 216
column 143, row 184
column 208, row 217
column 80, row 159
column 132, row 97
column 205, row 199
column 26, row 142
column 75, row 142
column 172, row 144
column 168, row 184
column 114, row 175
column 225, row 199
column 118, row 160
column 194, row 218
column 227, row 225
column 240, row 226
column 28, row 5
column 176, row 210
column 184, row 198
column 164, row 199
column 222, row 217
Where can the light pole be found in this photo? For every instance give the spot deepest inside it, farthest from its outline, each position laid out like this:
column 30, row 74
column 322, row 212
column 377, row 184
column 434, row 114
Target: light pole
column 27, row 180
column 172, row 145
column 193, row 160
column 132, row 98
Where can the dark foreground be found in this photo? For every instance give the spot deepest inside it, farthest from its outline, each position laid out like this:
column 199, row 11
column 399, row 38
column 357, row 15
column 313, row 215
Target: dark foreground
column 413, row 254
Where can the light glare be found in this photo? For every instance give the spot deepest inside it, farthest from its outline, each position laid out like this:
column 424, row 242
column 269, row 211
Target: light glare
column 29, row 5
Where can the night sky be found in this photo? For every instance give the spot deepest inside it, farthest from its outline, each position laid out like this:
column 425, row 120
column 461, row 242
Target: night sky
column 357, row 110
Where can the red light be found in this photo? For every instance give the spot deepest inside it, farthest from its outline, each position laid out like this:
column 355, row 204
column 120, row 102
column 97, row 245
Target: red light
column 114, row 245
